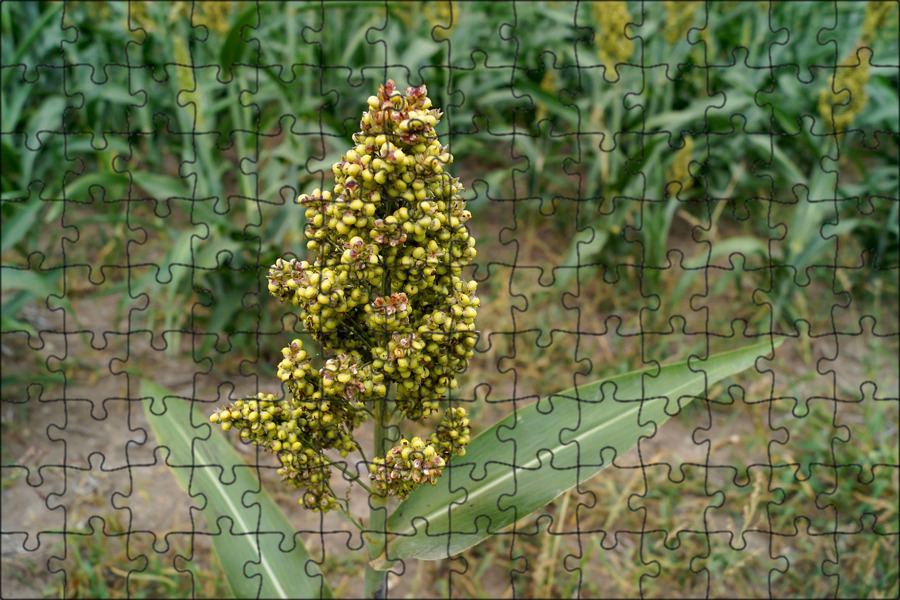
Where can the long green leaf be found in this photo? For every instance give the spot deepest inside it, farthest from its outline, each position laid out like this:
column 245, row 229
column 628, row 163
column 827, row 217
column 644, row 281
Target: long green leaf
column 39, row 27
column 260, row 535
column 161, row 186
column 234, row 45
column 533, row 456
column 41, row 284
column 15, row 228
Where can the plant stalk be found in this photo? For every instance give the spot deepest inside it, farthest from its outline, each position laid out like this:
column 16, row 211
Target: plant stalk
column 376, row 581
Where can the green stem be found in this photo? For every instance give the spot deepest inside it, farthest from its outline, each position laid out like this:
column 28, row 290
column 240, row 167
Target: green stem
column 376, row 581
column 345, row 514
column 349, row 475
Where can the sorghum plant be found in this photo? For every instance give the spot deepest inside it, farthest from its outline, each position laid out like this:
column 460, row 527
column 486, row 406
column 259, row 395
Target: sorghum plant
column 844, row 97
column 385, row 298
column 611, row 18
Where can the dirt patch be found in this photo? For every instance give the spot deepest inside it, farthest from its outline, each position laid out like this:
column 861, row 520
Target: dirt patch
column 83, row 477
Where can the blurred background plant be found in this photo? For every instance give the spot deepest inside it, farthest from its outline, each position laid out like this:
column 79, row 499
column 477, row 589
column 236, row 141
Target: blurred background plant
column 650, row 169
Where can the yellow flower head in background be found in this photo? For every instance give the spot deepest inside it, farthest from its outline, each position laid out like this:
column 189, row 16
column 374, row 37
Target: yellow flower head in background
column 442, row 14
column 548, row 84
column 834, row 106
column 138, row 17
column 679, row 18
column 876, row 16
column 679, row 171
column 610, row 19
column 214, row 15
column 98, row 11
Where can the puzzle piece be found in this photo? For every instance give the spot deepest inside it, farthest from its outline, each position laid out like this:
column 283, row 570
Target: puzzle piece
column 649, row 183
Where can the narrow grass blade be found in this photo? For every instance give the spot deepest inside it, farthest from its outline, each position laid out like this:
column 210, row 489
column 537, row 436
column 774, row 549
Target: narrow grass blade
column 533, row 456
column 20, row 49
column 261, row 537
column 41, row 284
column 16, row 227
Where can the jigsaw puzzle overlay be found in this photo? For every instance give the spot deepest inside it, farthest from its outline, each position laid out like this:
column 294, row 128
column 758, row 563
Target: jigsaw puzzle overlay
column 649, row 183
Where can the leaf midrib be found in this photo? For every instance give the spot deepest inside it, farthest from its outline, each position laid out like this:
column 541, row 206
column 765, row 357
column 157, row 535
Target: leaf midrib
column 481, row 490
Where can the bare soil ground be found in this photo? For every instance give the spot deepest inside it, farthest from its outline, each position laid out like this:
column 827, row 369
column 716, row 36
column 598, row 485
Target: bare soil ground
column 88, row 468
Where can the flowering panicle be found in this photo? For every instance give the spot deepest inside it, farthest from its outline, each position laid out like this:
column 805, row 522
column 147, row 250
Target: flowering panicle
column 406, row 466
column 679, row 18
column 836, row 109
column 215, row 15
column 611, row 18
column 844, row 97
column 385, row 298
column 443, row 15
column 679, row 171
column 452, row 434
column 297, row 432
column 876, row 17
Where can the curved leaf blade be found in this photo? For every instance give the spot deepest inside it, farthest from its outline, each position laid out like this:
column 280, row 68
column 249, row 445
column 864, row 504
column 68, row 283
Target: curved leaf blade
column 202, row 457
column 536, row 454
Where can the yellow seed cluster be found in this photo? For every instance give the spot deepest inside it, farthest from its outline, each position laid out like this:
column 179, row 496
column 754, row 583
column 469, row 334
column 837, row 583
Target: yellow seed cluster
column 548, row 84
column 97, row 11
column 391, row 243
column 452, row 434
column 384, row 296
column 680, row 170
column 215, row 15
column 837, row 110
column 297, row 432
column 610, row 19
column 876, row 17
column 834, row 107
column 442, row 15
column 406, row 466
column 679, row 18
column 138, row 17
